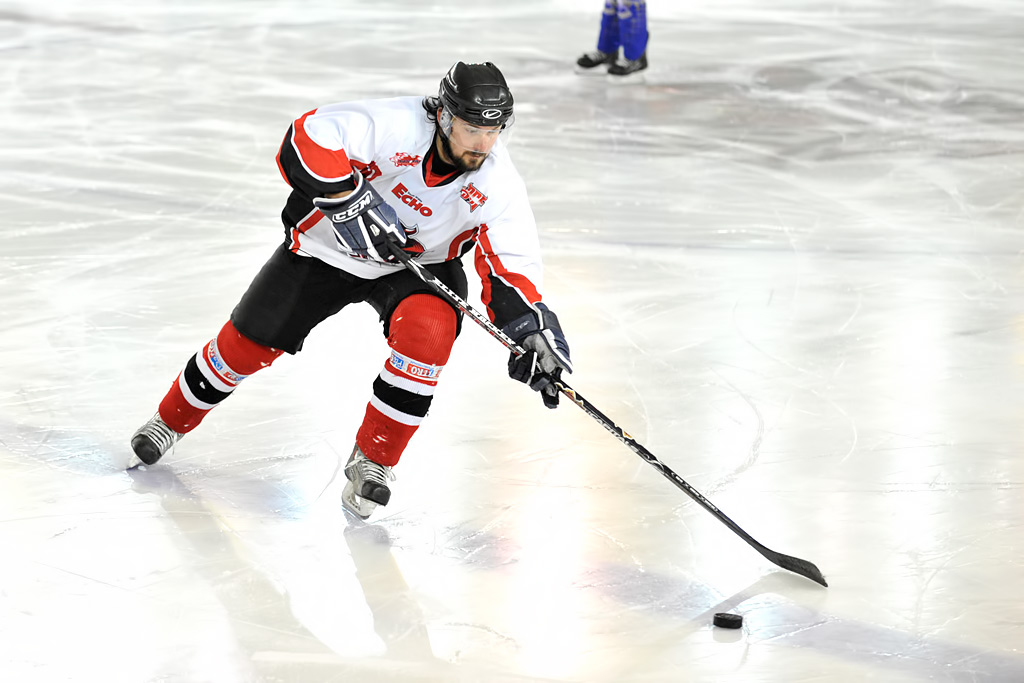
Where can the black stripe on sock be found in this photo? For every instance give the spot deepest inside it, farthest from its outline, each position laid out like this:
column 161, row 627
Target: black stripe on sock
column 200, row 386
column 401, row 400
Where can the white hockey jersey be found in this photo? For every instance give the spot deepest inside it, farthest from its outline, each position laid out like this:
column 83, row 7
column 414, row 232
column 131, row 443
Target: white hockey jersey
column 390, row 142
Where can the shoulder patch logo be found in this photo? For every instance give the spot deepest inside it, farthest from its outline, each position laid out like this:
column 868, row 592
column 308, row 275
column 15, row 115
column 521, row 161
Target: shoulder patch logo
column 472, row 196
column 403, row 159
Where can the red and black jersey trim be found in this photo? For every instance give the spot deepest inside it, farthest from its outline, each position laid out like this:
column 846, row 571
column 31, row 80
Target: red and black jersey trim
column 505, row 303
column 437, row 172
column 296, row 209
column 313, row 170
column 506, row 294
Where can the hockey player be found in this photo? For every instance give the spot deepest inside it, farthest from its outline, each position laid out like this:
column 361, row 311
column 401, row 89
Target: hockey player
column 623, row 24
column 431, row 175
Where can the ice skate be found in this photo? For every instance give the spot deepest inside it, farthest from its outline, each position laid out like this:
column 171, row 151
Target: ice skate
column 153, row 439
column 367, row 485
column 627, row 67
column 589, row 62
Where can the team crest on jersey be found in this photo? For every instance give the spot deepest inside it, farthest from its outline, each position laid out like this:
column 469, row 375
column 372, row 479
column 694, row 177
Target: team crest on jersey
column 403, row 159
column 472, row 196
column 370, row 171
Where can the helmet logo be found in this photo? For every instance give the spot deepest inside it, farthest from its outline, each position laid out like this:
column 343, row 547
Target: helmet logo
column 491, row 113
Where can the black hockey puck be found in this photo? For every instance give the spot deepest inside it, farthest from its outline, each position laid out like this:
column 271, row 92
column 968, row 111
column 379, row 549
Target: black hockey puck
column 726, row 620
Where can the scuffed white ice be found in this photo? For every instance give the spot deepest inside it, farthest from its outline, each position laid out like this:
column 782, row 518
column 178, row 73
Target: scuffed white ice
column 787, row 261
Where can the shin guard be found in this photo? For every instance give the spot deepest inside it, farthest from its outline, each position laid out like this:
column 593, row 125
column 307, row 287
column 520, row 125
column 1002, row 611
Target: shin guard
column 211, row 375
column 421, row 335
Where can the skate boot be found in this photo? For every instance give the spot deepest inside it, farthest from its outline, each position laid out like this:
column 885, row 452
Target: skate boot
column 153, row 439
column 626, row 67
column 594, row 59
column 367, row 485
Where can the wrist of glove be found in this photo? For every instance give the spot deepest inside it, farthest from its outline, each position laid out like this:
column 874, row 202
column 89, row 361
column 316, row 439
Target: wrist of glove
column 363, row 222
column 547, row 353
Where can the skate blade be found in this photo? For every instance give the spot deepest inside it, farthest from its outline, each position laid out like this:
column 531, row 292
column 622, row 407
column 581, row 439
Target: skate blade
column 357, row 505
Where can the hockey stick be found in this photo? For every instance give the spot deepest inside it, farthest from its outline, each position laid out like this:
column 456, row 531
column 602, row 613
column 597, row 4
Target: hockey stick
column 793, row 564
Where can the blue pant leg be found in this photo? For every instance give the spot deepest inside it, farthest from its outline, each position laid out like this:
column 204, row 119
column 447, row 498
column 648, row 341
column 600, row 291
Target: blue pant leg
column 608, row 40
column 633, row 28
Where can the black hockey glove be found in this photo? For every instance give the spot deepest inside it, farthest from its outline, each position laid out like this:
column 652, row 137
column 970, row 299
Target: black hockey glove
column 363, row 222
column 547, row 353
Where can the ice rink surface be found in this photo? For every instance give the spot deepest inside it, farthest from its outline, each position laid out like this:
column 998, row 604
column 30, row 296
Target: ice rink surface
column 788, row 261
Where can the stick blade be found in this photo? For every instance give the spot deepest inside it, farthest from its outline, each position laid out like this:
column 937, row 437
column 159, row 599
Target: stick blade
column 797, row 566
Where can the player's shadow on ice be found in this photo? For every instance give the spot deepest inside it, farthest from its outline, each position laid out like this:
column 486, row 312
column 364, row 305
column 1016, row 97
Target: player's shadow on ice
column 263, row 608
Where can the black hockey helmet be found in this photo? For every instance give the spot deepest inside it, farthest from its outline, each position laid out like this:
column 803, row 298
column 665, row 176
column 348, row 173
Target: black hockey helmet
column 477, row 94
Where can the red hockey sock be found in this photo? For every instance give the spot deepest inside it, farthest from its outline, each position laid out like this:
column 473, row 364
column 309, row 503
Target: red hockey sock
column 211, row 375
column 421, row 336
